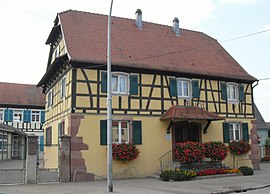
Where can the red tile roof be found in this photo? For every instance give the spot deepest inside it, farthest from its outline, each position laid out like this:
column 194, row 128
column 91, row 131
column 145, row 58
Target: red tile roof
column 189, row 112
column 21, row 94
column 155, row 47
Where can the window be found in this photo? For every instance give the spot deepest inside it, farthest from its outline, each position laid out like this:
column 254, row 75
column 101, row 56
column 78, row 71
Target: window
column 119, row 83
column 50, row 98
column 120, row 130
column 35, row 116
column 1, row 115
column 183, row 88
column 232, row 92
column 235, row 131
column 63, row 88
column 17, row 115
column 3, row 141
column 48, row 136
column 123, row 131
column 122, row 83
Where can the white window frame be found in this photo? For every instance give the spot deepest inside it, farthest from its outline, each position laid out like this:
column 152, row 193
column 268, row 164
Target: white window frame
column 182, row 81
column 1, row 115
column 63, row 88
column 4, row 142
column 15, row 118
column 36, row 114
column 236, row 128
column 120, row 131
column 119, row 75
column 50, row 98
column 230, row 97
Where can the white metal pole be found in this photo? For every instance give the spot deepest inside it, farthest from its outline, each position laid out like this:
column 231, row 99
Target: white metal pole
column 109, row 108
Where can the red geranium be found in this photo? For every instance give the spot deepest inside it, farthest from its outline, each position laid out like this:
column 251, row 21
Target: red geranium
column 239, row 147
column 215, row 150
column 189, row 152
column 124, row 152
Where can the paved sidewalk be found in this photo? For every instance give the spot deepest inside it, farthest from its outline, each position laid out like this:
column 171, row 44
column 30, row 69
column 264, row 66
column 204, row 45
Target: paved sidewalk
column 259, row 181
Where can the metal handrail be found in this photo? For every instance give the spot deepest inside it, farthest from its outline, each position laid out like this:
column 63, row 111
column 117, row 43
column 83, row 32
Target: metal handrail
column 167, row 160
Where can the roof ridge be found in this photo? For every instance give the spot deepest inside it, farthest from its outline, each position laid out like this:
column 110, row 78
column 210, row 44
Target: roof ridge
column 153, row 23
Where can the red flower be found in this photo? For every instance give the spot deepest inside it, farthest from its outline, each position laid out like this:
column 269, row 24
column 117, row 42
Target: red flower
column 124, row 152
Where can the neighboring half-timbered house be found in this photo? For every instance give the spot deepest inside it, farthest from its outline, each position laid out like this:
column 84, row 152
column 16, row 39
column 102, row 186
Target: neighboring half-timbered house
column 169, row 85
column 22, row 106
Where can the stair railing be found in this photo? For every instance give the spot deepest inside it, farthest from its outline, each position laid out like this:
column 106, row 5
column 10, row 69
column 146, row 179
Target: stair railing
column 167, row 160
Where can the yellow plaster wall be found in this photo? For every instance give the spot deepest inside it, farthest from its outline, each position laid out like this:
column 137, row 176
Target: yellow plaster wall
column 153, row 146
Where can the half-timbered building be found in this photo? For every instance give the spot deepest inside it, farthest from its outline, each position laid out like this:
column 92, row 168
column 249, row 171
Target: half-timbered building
column 22, row 111
column 169, row 85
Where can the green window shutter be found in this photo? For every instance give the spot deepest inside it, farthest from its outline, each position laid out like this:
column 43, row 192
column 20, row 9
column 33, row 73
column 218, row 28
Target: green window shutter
column 8, row 115
column 133, row 81
column 173, row 87
column 223, row 87
column 103, row 81
column 195, row 89
column 241, row 93
column 26, row 116
column 42, row 116
column 226, row 135
column 103, row 132
column 245, row 131
column 137, row 132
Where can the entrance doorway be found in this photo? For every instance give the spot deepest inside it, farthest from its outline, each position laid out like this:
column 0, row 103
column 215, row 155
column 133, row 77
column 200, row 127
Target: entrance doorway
column 185, row 131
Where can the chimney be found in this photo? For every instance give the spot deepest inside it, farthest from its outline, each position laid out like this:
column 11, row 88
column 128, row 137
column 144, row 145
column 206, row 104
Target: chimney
column 176, row 28
column 139, row 19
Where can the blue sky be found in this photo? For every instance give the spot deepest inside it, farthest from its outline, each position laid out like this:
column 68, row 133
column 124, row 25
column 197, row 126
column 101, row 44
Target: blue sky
column 25, row 26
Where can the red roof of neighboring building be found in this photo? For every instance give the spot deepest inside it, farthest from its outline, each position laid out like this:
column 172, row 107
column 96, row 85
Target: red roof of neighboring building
column 21, row 94
column 154, row 47
column 189, row 112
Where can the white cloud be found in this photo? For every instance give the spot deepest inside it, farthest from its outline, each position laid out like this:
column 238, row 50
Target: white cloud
column 242, row 2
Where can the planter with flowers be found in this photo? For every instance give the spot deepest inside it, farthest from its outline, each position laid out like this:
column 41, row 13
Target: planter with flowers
column 125, row 152
column 239, row 147
column 189, row 152
column 215, row 150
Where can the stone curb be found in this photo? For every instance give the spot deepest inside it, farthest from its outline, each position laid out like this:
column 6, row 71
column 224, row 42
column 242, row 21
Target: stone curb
column 241, row 190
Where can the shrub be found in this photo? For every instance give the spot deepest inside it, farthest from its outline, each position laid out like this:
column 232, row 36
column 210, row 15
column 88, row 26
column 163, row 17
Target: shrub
column 189, row 152
column 246, row 170
column 177, row 175
column 215, row 150
column 165, row 175
column 125, row 152
column 239, row 147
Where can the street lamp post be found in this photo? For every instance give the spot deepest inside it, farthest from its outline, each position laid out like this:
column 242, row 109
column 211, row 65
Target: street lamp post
column 109, row 107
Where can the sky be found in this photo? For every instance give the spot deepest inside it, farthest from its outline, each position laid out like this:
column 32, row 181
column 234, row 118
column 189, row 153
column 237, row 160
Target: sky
column 25, row 26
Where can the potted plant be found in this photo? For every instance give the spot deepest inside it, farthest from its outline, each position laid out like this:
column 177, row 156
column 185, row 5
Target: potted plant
column 125, row 152
column 189, row 152
column 239, row 147
column 215, row 150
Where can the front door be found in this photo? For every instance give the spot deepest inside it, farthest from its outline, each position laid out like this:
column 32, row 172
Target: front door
column 185, row 131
